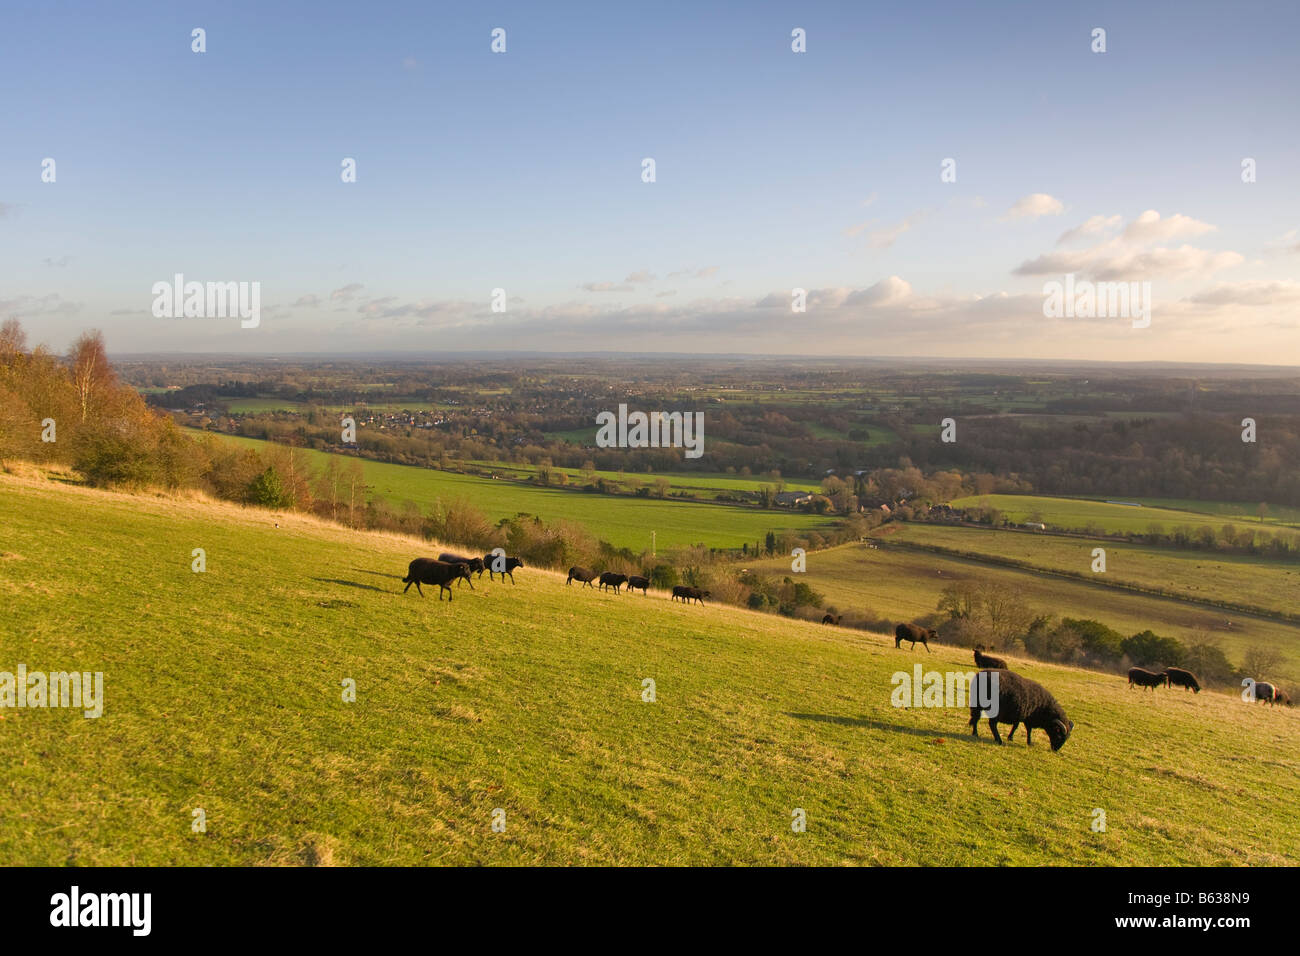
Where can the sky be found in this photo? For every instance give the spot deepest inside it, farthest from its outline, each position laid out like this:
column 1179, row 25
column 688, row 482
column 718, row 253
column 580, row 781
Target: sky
column 775, row 170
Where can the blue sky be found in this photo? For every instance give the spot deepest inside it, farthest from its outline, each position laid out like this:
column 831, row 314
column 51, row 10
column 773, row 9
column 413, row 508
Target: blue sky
column 775, row 170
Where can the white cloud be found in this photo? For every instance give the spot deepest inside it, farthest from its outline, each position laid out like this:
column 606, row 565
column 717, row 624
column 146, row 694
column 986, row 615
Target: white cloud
column 1252, row 293
column 1111, row 261
column 886, row 237
column 1033, row 206
column 1091, row 227
column 1149, row 226
column 347, row 293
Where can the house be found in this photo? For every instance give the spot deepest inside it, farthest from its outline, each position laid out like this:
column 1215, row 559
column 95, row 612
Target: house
column 792, row 499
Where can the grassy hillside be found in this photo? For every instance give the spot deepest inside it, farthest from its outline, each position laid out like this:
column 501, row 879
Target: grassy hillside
column 623, row 521
column 223, row 692
column 902, row 584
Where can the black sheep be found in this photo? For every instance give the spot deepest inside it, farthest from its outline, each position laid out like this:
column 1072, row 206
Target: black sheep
column 986, row 661
column 1265, row 691
column 1181, row 678
column 475, row 565
column 612, row 580
column 689, row 594
column 1145, row 678
column 1019, row 701
column 910, row 632
column 429, row 571
column 831, row 619
column 638, row 582
column 581, row 574
column 506, row 566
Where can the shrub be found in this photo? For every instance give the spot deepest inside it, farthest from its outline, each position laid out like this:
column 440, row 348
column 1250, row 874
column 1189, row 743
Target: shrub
column 268, row 491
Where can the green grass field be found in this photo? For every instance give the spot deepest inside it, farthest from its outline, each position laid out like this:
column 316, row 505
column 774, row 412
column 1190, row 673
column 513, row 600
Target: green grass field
column 622, row 521
column 1234, row 579
column 245, row 406
column 223, row 691
column 1078, row 513
column 700, row 483
column 905, row 585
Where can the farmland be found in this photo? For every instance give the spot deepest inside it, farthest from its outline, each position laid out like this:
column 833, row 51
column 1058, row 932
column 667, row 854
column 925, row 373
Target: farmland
column 1239, row 580
column 902, row 584
column 1081, row 514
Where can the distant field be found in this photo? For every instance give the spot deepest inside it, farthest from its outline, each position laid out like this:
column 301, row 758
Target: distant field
column 1078, row 513
column 1239, row 512
column 904, row 585
column 703, row 483
column 244, row 406
column 585, row 437
column 1198, row 575
column 879, row 434
column 622, row 521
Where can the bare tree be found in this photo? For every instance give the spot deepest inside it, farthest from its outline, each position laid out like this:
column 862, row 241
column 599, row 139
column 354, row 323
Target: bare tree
column 12, row 339
column 91, row 372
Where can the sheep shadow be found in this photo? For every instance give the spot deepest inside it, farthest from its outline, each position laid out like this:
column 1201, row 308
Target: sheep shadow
column 963, row 735
column 353, row 584
column 378, row 574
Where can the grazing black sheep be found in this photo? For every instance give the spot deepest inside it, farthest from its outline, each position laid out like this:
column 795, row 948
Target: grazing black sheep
column 910, row 632
column 636, row 581
column 611, row 580
column 1181, row 678
column 1265, row 691
column 509, row 566
column 986, row 661
column 1282, row 697
column 1144, row 678
column 831, row 619
column 475, row 565
column 1019, row 701
column 689, row 594
column 441, row 573
column 581, row 574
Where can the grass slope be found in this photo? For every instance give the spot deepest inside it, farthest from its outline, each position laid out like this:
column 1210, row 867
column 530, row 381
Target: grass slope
column 623, row 521
column 223, row 692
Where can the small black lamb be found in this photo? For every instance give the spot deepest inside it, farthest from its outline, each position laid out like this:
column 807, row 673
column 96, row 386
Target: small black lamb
column 988, row 662
column 1019, row 701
